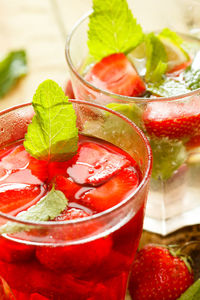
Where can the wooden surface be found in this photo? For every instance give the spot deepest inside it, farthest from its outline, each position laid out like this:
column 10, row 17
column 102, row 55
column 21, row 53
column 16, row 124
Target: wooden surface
column 40, row 27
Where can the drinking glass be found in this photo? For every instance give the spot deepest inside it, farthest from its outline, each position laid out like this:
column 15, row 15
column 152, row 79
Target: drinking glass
column 105, row 243
column 174, row 201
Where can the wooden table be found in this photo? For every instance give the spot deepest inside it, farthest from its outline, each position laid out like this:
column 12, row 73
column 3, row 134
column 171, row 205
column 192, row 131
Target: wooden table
column 40, row 27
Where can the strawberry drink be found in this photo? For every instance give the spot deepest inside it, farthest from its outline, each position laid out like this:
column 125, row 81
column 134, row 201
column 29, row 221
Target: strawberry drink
column 72, row 199
column 154, row 80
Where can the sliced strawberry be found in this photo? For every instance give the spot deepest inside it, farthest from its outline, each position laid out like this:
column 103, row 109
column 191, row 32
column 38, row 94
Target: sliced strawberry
column 177, row 70
column 71, row 214
column 173, row 120
column 57, row 168
column 11, row 251
column 15, row 197
column 67, row 186
column 194, row 142
column 37, row 296
column 20, row 295
column 5, row 291
column 94, row 164
column 69, row 90
column 75, row 259
column 38, row 168
column 116, row 74
column 113, row 191
column 31, row 277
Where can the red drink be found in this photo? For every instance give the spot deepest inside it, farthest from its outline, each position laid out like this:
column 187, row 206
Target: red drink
column 73, row 257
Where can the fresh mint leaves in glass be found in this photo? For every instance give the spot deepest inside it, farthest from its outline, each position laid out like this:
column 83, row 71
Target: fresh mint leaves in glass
column 72, row 198
column 154, row 80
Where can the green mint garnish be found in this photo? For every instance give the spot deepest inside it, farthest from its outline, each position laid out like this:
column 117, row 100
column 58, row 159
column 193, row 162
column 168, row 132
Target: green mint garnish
column 47, row 208
column 168, row 156
column 131, row 111
column 192, row 293
column 112, row 29
column 53, row 134
column 167, row 88
column 156, row 64
column 12, row 67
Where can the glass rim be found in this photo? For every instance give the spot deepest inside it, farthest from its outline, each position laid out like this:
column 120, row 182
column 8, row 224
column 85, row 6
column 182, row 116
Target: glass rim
column 107, row 93
column 142, row 184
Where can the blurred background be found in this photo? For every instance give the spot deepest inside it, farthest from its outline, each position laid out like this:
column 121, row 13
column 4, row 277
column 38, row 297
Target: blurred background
column 40, row 28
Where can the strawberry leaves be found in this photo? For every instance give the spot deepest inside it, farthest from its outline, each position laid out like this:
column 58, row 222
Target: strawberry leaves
column 52, row 135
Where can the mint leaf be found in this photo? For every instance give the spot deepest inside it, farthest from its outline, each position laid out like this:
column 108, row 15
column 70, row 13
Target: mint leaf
column 12, row 67
column 52, row 135
column 168, row 156
column 156, row 64
column 112, row 29
column 192, row 293
column 47, row 208
column 167, row 88
column 131, row 111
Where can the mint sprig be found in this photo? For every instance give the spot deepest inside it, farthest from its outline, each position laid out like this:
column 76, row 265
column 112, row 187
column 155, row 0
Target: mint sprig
column 47, row 208
column 53, row 134
column 112, row 29
column 192, row 293
column 12, row 67
column 156, row 58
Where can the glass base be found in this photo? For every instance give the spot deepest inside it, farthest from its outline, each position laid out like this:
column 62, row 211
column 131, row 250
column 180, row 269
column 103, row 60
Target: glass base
column 174, row 203
column 164, row 227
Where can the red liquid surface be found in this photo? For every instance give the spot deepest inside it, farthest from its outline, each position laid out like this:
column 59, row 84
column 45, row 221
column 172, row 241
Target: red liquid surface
column 97, row 178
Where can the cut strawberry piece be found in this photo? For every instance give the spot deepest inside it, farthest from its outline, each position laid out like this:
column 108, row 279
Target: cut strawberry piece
column 69, row 90
column 194, row 142
column 67, row 186
column 38, row 168
column 37, row 296
column 94, row 164
column 20, row 295
column 5, row 291
column 71, row 214
column 75, row 259
column 173, row 120
column 58, row 168
column 15, row 197
column 177, row 70
column 116, row 74
column 11, row 251
column 113, row 191
column 31, row 277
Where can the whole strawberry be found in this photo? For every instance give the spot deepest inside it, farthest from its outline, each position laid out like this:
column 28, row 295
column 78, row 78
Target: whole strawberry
column 159, row 275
